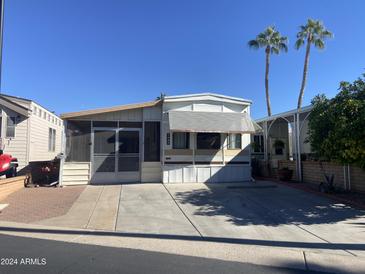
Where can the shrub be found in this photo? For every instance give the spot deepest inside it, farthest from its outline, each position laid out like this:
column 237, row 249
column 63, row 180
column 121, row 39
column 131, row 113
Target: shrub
column 337, row 125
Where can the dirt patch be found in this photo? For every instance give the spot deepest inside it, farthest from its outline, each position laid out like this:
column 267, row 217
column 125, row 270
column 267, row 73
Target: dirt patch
column 34, row 204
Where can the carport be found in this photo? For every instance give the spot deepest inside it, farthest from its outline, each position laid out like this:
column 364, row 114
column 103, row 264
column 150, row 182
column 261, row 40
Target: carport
column 295, row 134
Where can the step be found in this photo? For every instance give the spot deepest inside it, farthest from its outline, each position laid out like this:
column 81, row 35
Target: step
column 149, row 169
column 151, row 164
column 76, row 166
column 75, row 178
column 67, row 172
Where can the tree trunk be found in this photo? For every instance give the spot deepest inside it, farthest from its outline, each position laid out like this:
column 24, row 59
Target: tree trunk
column 267, row 51
column 305, row 71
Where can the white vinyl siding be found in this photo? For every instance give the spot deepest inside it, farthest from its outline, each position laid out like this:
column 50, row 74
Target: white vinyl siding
column 40, row 147
column 15, row 146
column 30, row 133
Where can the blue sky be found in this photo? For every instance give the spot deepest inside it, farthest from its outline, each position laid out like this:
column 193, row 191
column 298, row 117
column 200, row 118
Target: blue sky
column 71, row 55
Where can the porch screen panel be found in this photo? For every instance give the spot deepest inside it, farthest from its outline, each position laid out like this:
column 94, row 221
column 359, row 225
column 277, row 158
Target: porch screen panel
column 104, row 151
column 128, row 151
column 152, row 141
column 78, row 141
column 129, row 163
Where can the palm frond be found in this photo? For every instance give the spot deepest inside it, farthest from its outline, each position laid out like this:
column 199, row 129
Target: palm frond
column 326, row 34
column 253, row 44
column 299, row 43
column 302, row 34
column 283, row 47
column 275, row 50
column 319, row 44
column 271, row 39
column 303, row 28
column 315, row 31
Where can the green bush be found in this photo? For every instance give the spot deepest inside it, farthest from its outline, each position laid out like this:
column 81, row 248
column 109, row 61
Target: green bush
column 337, row 125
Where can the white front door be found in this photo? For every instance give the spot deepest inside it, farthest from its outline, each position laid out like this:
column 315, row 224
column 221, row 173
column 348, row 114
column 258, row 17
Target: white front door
column 116, row 155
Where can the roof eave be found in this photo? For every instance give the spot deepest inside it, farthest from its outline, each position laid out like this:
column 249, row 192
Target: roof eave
column 284, row 114
column 188, row 96
column 80, row 114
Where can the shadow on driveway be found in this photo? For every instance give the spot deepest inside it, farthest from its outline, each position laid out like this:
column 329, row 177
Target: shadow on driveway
column 265, row 205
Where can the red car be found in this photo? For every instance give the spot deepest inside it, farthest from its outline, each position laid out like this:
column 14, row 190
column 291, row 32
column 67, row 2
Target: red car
column 8, row 165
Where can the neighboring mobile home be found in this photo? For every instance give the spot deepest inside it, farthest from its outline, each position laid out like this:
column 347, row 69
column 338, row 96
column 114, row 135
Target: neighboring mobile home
column 28, row 131
column 189, row 138
column 291, row 128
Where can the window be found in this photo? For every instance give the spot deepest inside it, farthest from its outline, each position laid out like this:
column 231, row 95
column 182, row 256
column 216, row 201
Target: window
column 51, row 139
column 35, row 110
column 49, row 117
column 258, row 143
column 208, row 141
column 10, row 127
column 152, row 141
column 180, row 140
column 40, row 113
column 44, row 115
column 234, row 141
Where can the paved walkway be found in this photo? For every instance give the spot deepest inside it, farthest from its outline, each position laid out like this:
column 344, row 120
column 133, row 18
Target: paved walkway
column 30, row 205
column 96, row 208
column 150, row 209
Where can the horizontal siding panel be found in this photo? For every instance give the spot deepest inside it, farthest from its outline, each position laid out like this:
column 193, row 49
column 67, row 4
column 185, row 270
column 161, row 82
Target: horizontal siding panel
column 39, row 139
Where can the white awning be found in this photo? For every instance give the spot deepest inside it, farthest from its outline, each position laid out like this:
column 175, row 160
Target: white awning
column 222, row 122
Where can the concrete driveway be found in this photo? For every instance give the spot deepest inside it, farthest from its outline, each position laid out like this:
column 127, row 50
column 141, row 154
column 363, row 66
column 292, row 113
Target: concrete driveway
column 264, row 213
column 261, row 214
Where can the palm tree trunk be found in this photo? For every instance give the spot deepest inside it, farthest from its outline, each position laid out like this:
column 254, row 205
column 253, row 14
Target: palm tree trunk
column 305, row 72
column 267, row 51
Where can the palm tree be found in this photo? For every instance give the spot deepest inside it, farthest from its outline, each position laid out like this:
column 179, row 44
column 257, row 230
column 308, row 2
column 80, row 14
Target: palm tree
column 314, row 32
column 273, row 42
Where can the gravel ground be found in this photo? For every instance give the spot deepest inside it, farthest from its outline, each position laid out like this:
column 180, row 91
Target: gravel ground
column 34, row 204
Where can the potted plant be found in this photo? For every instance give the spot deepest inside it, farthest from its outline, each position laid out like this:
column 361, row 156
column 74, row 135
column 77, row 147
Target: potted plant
column 285, row 174
column 279, row 146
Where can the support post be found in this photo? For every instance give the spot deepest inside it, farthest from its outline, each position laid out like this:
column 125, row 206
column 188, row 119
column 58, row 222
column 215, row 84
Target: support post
column 299, row 164
column 63, row 154
column 265, row 142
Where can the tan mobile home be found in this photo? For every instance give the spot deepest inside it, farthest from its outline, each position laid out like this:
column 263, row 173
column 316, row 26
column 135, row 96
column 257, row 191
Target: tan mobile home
column 189, row 138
